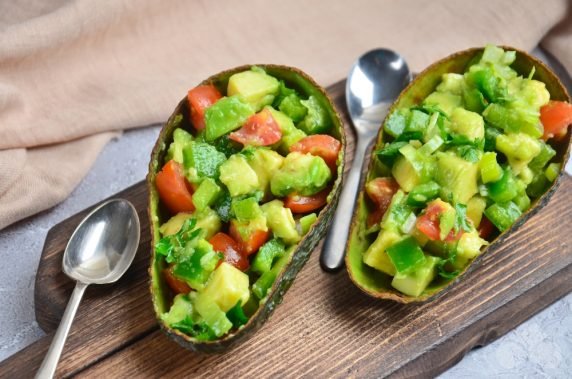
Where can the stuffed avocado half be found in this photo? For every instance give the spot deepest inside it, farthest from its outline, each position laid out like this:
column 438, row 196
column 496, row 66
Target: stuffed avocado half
column 463, row 157
column 243, row 181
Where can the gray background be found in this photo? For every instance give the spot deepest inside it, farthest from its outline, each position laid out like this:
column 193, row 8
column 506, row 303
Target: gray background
column 540, row 347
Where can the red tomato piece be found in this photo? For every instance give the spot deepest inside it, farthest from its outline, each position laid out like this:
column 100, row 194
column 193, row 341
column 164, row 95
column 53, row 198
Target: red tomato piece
column 428, row 223
column 200, row 98
column 251, row 245
column 555, row 116
column 380, row 191
column 486, row 228
column 233, row 255
column 176, row 285
column 260, row 129
column 305, row 204
column 322, row 145
column 173, row 188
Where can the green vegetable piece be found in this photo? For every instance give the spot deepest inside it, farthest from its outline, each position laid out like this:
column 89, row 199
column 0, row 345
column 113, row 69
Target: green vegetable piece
column 197, row 265
column 538, row 185
column 290, row 133
column 223, row 206
column 281, row 221
column 255, row 87
column 264, row 283
column 376, row 255
column 306, row 222
column 396, row 213
column 519, row 148
column 267, row 254
column 180, row 310
column 468, row 124
column 446, row 223
column 317, row 120
column 423, row 193
column 474, row 100
column 522, row 201
column 246, row 209
column 504, row 189
column 503, row 215
column 417, row 121
column 173, row 247
column 491, row 134
column 444, row 101
column 265, row 163
column 206, row 194
column 552, row 171
column 457, row 177
column 390, row 152
column 212, row 315
column 405, row 173
column 304, row 174
column 181, row 139
column 292, row 107
column 227, row 146
column 475, row 208
column 396, row 122
column 236, row 316
column 237, row 175
column 461, row 221
column 226, row 115
column 431, row 145
column 406, row 255
column 514, row 119
column 202, row 160
column 544, row 156
column 491, row 171
column 415, row 282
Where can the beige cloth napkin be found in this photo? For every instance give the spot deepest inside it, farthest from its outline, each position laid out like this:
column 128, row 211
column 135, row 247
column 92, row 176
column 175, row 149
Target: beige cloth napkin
column 73, row 73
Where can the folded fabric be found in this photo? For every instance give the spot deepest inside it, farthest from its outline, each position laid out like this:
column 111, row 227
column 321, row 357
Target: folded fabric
column 72, row 72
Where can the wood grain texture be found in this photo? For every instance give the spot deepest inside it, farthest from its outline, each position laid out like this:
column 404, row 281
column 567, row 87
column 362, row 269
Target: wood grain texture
column 325, row 327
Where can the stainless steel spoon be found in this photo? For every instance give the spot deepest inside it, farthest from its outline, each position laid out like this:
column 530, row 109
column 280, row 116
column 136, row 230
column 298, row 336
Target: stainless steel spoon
column 99, row 251
column 374, row 82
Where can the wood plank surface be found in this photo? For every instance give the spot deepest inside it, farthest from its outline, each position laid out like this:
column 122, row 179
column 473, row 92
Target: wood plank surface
column 325, row 326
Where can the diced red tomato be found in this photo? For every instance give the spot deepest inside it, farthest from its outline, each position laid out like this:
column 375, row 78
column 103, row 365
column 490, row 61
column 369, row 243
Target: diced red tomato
column 428, row 223
column 322, row 145
column 486, row 228
column 380, row 191
column 200, row 98
column 174, row 189
column 304, row 204
column 177, row 285
column 260, row 129
column 555, row 116
column 233, row 255
column 251, row 245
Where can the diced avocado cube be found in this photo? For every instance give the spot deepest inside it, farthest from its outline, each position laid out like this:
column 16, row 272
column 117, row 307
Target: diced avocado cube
column 405, row 174
column 444, row 101
column 468, row 124
column 246, row 209
column 415, row 282
column 255, row 87
column 292, row 106
column 452, row 83
column 212, row 315
column 227, row 286
column 174, row 224
column 266, row 255
column 396, row 213
column 446, row 221
column 290, row 133
column 317, row 119
column 534, row 93
column 417, row 121
column 474, row 100
column 457, row 177
column 376, row 255
column 237, row 175
column 181, row 309
column 475, row 208
column 281, row 221
column 304, row 174
column 181, row 139
column 406, row 255
column 307, row 221
column 470, row 244
column 226, row 115
column 208, row 221
column 265, row 163
column 206, row 194
column 519, row 148
column 491, row 171
column 202, row 160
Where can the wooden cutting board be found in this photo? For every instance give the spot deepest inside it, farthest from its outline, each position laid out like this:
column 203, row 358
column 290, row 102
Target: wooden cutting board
column 325, row 327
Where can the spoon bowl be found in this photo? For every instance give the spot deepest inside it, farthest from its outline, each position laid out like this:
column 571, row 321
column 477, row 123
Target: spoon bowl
column 373, row 83
column 99, row 251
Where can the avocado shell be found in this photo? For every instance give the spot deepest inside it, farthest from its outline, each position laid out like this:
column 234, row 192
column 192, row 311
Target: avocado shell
column 160, row 293
column 378, row 284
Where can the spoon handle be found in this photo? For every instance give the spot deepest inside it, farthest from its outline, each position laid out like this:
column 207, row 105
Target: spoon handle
column 50, row 362
column 332, row 257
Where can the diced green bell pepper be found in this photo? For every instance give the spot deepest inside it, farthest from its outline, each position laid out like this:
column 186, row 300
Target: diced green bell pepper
column 306, row 222
column 514, row 119
column 503, row 215
column 503, row 190
column 552, row 171
column 236, row 316
column 423, row 193
column 264, row 283
column 202, row 160
column 266, row 255
column 181, row 139
column 406, row 255
column 206, row 194
column 317, row 120
column 544, row 156
column 197, row 266
column 491, row 134
column 491, row 171
column 246, row 209
column 226, row 115
column 396, row 122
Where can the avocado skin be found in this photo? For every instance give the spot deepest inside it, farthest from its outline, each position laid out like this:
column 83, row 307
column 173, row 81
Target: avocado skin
column 159, row 291
column 374, row 284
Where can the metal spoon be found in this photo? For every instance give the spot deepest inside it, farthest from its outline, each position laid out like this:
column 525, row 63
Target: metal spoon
column 374, row 82
column 99, row 251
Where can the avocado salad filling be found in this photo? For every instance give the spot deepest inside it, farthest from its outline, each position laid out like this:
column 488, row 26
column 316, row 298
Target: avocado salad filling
column 458, row 169
column 242, row 186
